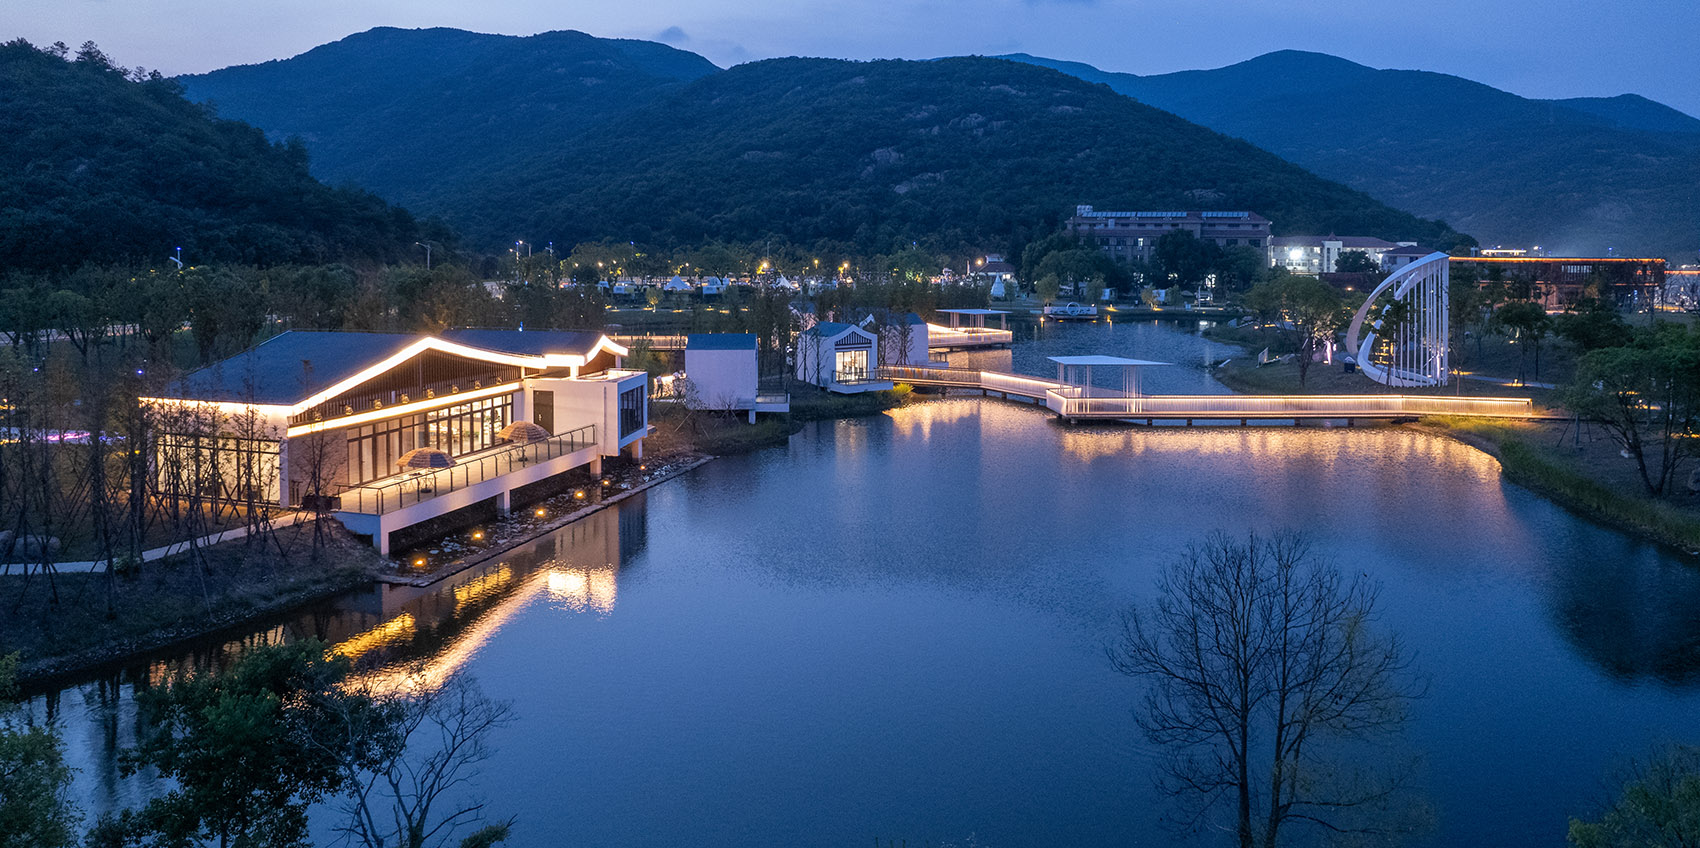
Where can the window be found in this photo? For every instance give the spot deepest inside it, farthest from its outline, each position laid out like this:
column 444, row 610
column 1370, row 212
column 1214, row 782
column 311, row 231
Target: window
column 850, row 366
column 374, row 449
column 632, row 410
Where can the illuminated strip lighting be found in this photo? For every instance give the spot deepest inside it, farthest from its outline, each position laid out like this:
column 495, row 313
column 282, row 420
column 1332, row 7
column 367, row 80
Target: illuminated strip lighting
column 403, row 409
column 1560, row 260
column 543, row 362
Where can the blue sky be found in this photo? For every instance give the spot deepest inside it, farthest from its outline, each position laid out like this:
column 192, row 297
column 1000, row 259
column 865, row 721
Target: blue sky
column 1555, row 48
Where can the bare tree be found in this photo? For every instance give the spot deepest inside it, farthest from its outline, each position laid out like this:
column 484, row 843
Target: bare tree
column 417, row 794
column 1263, row 669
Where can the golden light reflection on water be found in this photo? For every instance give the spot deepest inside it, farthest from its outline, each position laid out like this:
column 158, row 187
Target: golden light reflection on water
column 571, row 588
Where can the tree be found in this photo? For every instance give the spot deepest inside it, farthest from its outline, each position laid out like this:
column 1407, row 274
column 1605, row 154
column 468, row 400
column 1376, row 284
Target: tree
column 1530, row 322
column 1262, row 663
column 249, row 749
column 1647, row 398
column 1183, row 258
column 1592, row 326
column 414, row 795
column 1309, row 311
column 1354, row 262
column 35, row 807
column 1659, row 806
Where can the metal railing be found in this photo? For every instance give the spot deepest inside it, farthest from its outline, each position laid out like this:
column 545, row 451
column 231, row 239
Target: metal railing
column 408, row 488
column 1288, row 406
column 1070, row 402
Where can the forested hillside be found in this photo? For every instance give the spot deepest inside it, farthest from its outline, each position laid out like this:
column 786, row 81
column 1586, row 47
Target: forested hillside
column 1577, row 176
column 101, row 165
column 410, row 110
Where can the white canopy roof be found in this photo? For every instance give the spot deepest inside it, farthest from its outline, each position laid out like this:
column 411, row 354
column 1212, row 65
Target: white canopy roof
column 1102, row 360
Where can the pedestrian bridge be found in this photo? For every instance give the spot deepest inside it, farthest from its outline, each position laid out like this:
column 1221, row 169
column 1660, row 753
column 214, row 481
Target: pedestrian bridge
column 1076, row 402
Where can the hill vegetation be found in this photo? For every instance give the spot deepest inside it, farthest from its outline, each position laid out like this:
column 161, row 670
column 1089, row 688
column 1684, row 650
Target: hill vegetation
column 100, row 164
column 563, row 137
column 1575, row 176
column 415, row 109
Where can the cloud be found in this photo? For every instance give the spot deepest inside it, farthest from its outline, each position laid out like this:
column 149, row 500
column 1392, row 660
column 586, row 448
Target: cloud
column 672, row 35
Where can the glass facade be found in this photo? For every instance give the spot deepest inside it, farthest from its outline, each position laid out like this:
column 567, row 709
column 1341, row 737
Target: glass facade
column 374, row 449
column 632, row 410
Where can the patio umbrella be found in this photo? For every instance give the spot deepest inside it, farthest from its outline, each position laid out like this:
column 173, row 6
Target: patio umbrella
column 523, row 432
column 425, row 458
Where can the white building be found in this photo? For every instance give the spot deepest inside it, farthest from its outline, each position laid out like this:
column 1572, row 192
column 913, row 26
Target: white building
column 839, row 357
column 723, row 375
column 904, row 338
column 1321, row 254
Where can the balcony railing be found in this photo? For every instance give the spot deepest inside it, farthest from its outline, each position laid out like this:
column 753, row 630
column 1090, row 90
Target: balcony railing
column 406, row 489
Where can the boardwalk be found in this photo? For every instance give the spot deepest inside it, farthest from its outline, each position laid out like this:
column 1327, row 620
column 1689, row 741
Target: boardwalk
column 1073, row 402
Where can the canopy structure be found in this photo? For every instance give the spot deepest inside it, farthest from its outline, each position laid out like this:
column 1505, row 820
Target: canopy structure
column 1076, row 373
column 425, row 458
column 976, row 317
column 523, row 433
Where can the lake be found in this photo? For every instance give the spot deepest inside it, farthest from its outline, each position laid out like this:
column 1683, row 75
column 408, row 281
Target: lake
column 894, row 628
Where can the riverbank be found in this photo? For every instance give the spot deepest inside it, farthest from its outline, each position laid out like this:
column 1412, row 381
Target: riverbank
column 1574, row 465
column 65, row 624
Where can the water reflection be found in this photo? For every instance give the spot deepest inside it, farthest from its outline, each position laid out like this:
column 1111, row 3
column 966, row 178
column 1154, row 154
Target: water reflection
column 398, row 635
column 1634, row 614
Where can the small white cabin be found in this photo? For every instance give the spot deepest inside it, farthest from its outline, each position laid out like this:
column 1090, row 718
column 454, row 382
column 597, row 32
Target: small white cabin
column 841, row 358
column 904, row 338
column 722, row 374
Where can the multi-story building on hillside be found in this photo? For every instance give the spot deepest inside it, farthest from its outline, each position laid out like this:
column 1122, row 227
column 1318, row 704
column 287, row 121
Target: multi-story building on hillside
column 1132, row 236
column 1321, row 254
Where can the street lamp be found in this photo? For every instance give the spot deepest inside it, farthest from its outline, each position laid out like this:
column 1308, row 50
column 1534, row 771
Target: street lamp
column 427, row 254
column 177, row 259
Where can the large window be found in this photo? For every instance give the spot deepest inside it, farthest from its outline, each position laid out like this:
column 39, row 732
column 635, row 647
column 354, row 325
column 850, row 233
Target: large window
column 632, row 410
column 850, row 366
column 374, row 449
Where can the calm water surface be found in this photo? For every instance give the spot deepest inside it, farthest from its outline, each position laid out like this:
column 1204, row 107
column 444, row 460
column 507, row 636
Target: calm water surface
column 893, row 628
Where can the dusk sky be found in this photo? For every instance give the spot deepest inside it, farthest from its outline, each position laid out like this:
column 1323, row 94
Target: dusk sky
column 1554, row 48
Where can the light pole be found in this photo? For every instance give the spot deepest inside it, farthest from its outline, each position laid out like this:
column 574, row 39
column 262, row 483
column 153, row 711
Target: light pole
column 177, row 259
column 427, row 254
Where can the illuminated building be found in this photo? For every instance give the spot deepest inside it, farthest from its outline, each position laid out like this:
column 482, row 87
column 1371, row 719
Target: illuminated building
column 1132, row 236
column 321, row 420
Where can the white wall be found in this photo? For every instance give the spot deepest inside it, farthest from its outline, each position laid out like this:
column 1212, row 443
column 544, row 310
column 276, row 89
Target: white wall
column 722, row 379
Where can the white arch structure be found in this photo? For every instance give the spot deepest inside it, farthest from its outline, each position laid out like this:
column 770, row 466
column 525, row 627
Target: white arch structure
column 1419, row 349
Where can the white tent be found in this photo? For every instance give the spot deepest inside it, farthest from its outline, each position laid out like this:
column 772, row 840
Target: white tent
column 677, row 284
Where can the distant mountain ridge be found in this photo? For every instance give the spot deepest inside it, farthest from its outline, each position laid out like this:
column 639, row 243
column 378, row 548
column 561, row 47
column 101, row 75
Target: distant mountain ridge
column 565, row 136
column 96, row 167
column 424, row 91
column 1581, row 175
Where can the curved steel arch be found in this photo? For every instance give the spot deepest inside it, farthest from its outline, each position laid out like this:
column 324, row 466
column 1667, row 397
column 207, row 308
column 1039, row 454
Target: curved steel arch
column 1418, row 353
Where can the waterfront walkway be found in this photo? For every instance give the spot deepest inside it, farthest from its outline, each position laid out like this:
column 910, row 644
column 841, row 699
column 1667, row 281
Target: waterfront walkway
column 1076, row 403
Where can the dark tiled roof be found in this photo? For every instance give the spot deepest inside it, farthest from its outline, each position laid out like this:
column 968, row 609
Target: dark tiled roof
column 828, row 328
column 720, row 341
column 275, row 371
column 527, row 342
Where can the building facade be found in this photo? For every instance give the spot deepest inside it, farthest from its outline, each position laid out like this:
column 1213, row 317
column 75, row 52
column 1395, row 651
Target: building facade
column 331, row 416
column 1132, row 236
column 1321, row 254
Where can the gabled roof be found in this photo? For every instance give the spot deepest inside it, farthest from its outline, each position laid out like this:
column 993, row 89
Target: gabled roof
column 833, row 329
column 531, row 342
column 720, row 341
column 289, row 366
column 300, row 368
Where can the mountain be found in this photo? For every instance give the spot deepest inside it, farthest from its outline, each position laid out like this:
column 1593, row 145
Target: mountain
column 510, row 138
column 1577, row 176
column 1634, row 112
column 401, row 111
column 95, row 166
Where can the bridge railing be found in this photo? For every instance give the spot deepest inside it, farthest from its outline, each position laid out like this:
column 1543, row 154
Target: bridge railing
column 1290, row 406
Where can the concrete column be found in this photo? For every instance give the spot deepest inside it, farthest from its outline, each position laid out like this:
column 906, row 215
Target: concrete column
column 504, row 503
column 636, row 449
column 752, row 415
column 596, row 466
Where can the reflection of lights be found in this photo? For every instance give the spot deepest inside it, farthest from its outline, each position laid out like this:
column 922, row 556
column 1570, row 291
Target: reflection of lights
column 398, row 629
column 482, row 585
column 584, row 589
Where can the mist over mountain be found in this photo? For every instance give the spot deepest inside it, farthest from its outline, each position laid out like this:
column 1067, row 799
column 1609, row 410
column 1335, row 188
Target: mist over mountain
column 564, row 137
column 1579, row 175
column 96, row 166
